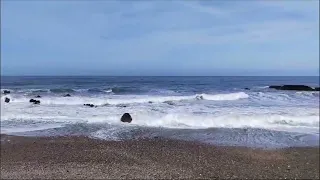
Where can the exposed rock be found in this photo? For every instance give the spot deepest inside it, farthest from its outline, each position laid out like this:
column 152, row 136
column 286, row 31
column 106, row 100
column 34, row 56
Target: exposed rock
column 275, row 87
column 37, row 102
column 6, row 92
column 38, row 96
column 317, row 89
column 67, row 95
column 126, row 117
column 34, row 101
column 247, row 88
column 7, row 100
column 90, row 105
column 293, row 88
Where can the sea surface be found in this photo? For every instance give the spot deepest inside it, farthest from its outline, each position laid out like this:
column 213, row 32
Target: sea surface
column 216, row 110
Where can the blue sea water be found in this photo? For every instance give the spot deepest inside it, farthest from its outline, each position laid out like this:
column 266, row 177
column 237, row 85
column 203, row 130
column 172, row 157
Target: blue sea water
column 216, row 110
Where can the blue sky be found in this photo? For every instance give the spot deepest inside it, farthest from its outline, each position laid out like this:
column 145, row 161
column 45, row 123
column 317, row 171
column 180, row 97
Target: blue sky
column 160, row 37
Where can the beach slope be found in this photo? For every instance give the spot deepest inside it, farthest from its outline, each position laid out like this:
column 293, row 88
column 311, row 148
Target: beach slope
column 81, row 157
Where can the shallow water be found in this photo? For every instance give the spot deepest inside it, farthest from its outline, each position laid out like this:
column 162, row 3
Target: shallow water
column 214, row 110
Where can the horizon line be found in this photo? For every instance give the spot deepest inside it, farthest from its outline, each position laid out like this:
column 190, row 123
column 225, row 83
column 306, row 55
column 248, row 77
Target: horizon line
column 160, row 75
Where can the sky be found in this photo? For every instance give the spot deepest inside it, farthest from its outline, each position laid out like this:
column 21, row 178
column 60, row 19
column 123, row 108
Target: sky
column 161, row 37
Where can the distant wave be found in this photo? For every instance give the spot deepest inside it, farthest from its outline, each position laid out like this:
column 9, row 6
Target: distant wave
column 114, row 90
column 61, row 90
column 125, row 90
column 95, row 90
column 40, row 90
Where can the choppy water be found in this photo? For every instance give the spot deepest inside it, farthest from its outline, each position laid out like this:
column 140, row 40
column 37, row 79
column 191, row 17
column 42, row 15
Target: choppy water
column 210, row 109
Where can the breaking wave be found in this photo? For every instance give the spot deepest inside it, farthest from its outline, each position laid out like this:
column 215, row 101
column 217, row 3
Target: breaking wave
column 130, row 99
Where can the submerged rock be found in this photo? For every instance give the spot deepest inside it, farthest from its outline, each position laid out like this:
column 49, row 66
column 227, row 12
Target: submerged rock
column 126, row 117
column 67, row 95
column 121, row 105
column 6, row 92
column 247, row 88
column 7, row 100
column 169, row 102
column 293, row 88
column 106, row 104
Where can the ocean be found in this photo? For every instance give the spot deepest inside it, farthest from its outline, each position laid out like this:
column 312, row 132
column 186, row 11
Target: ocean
column 215, row 110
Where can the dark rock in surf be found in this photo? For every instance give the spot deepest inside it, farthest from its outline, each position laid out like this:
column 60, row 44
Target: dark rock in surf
column 38, row 96
column 297, row 87
column 37, row 102
column 293, row 88
column 34, row 101
column 67, row 95
column 126, row 117
column 317, row 89
column 247, row 88
column 275, row 87
column 200, row 97
column 90, row 105
column 6, row 92
column 7, row 100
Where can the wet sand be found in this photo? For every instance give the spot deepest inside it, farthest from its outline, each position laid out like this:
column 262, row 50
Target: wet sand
column 81, row 157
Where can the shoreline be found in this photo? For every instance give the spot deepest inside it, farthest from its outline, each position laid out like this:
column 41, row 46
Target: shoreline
column 79, row 157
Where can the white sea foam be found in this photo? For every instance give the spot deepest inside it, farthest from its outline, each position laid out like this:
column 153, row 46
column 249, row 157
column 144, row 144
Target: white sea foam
column 191, row 116
column 268, row 110
column 192, row 121
column 225, row 97
column 109, row 91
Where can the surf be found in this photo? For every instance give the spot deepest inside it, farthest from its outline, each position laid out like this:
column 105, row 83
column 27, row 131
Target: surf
column 129, row 99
